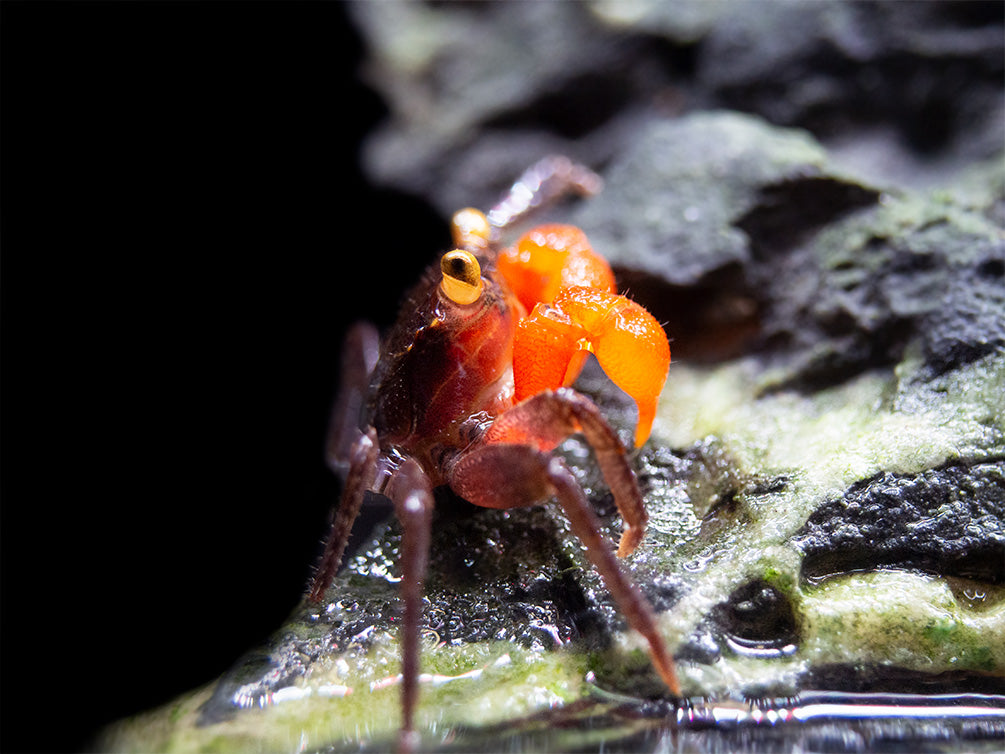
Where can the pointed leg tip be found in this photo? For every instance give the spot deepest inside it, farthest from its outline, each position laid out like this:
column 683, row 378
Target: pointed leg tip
column 408, row 742
column 631, row 537
column 669, row 676
column 314, row 596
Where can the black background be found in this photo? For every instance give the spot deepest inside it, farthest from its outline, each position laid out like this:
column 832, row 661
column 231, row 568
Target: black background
column 186, row 234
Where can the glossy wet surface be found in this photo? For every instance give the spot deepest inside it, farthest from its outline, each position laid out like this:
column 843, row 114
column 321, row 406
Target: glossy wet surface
column 815, row 722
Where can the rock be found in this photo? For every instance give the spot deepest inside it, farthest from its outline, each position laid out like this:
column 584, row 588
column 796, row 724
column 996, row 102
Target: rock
column 945, row 521
column 838, row 275
column 907, row 93
column 785, row 506
column 826, row 475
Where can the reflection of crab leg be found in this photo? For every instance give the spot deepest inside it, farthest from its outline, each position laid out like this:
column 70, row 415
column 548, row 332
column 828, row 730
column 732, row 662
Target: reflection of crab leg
column 513, row 468
column 631, row 347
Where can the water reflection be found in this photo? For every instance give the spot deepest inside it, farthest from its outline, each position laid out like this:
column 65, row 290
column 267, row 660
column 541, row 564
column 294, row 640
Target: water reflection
column 812, row 722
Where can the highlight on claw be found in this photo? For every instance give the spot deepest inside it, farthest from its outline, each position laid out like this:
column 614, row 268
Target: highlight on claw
column 549, row 258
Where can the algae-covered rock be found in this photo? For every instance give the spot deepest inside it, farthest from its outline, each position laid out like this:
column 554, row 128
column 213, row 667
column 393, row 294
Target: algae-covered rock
column 836, row 273
column 826, row 473
column 811, row 526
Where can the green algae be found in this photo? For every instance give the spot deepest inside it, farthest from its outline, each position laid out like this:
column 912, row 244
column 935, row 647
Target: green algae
column 900, row 619
column 818, row 444
column 822, row 444
column 500, row 683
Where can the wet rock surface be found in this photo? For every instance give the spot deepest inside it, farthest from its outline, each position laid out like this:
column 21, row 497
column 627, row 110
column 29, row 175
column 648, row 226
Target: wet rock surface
column 947, row 521
column 826, row 476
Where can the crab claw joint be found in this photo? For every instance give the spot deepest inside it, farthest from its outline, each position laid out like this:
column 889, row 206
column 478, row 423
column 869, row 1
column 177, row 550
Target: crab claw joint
column 551, row 344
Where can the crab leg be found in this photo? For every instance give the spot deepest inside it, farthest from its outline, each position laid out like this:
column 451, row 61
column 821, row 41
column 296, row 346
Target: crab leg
column 510, row 475
column 359, row 356
column 546, row 419
column 362, row 471
column 543, row 183
column 412, row 494
column 632, row 602
column 350, row 454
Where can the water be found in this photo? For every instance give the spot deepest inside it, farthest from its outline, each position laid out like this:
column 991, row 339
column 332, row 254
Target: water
column 824, row 722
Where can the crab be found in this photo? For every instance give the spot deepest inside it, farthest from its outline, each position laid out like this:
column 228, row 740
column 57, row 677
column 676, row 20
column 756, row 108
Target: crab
column 471, row 389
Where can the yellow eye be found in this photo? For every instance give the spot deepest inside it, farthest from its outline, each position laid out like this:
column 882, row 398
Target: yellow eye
column 462, row 277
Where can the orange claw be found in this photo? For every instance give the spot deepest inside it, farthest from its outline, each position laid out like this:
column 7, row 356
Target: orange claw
column 551, row 344
column 551, row 257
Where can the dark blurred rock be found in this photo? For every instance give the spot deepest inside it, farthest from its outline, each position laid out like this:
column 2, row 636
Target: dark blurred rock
column 909, row 93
